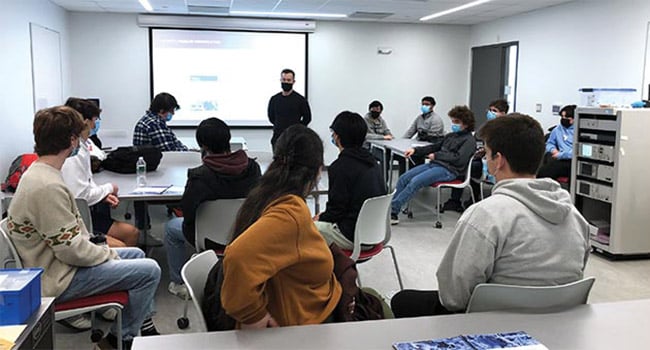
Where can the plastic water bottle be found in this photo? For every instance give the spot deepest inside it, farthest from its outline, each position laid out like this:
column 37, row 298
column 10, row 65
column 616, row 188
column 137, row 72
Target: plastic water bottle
column 141, row 172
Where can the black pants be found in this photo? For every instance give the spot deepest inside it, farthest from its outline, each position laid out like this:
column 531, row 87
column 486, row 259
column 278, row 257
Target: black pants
column 555, row 168
column 414, row 303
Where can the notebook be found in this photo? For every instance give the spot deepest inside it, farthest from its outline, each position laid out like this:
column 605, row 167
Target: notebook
column 510, row 340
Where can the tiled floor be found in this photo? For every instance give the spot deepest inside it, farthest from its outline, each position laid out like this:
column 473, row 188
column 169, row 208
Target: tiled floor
column 419, row 247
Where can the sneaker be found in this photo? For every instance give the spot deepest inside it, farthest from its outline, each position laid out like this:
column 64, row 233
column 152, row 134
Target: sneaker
column 394, row 220
column 179, row 290
column 452, row 205
column 109, row 314
column 78, row 323
column 112, row 340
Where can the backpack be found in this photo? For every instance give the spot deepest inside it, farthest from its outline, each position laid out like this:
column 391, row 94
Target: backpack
column 215, row 316
column 123, row 159
column 16, row 170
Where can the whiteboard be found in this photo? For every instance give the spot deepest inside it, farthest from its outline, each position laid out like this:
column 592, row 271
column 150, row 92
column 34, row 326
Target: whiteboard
column 46, row 67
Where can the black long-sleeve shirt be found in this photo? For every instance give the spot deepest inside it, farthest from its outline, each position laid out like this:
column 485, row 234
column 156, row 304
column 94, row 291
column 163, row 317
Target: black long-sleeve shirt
column 453, row 152
column 284, row 111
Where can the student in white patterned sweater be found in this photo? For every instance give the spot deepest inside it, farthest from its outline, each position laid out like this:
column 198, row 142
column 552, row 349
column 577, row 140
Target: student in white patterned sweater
column 46, row 228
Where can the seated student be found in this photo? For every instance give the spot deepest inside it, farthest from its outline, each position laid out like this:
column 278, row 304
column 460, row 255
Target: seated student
column 50, row 234
column 497, row 108
column 78, row 177
column 278, row 270
column 428, row 127
column 353, row 177
column 152, row 128
column 527, row 233
column 223, row 175
column 377, row 127
column 447, row 160
column 559, row 147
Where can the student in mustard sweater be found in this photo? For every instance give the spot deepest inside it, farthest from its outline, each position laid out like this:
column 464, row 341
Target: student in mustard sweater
column 278, row 270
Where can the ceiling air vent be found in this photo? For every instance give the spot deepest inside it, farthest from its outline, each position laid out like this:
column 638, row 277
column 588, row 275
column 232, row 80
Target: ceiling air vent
column 370, row 15
column 208, row 9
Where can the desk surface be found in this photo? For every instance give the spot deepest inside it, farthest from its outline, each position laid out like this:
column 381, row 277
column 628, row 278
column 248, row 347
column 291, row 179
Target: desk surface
column 398, row 146
column 621, row 325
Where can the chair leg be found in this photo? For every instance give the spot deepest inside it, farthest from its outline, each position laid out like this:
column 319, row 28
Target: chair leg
column 399, row 276
column 438, row 223
column 471, row 193
column 480, row 185
column 119, row 329
column 184, row 322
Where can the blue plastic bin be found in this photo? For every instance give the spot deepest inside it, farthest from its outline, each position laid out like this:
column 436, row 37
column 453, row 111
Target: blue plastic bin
column 20, row 294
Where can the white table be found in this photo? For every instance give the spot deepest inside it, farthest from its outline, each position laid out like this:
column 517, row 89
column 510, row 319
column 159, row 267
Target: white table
column 395, row 146
column 113, row 141
column 620, row 325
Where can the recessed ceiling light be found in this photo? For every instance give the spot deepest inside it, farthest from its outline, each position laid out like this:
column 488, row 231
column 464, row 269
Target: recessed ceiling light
column 288, row 14
column 455, row 9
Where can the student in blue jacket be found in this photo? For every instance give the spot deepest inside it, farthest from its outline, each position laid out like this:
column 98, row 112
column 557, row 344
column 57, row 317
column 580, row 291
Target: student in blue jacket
column 559, row 147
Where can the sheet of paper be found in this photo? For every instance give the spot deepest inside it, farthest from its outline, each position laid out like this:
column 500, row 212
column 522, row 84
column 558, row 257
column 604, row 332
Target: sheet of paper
column 9, row 335
column 151, row 189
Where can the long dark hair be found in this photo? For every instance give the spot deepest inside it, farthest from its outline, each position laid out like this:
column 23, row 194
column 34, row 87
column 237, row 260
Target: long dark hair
column 297, row 160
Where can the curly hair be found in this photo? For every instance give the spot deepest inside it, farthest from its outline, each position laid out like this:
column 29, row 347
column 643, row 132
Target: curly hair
column 464, row 114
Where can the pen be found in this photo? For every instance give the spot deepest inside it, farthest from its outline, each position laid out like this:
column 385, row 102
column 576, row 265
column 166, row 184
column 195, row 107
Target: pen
column 411, row 160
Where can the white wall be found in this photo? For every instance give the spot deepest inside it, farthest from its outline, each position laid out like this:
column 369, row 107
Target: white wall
column 587, row 43
column 16, row 71
column 110, row 60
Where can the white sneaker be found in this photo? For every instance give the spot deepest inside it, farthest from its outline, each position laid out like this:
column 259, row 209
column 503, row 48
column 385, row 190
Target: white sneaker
column 78, row 323
column 109, row 314
column 179, row 290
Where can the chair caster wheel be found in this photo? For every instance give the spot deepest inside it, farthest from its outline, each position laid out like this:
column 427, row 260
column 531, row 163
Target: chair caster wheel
column 183, row 322
column 438, row 224
column 96, row 335
column 410, row 215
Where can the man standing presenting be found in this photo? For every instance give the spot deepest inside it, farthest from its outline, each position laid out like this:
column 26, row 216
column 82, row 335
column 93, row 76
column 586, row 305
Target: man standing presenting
column 287, row 107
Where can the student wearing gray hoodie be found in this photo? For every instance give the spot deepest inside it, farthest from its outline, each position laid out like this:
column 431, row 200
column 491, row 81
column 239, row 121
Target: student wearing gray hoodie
column 527, row 233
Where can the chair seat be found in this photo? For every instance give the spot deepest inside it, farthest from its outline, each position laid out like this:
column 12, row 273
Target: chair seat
column 562, row 180
column 366, row 254
column 121, row 297
column 452, row 182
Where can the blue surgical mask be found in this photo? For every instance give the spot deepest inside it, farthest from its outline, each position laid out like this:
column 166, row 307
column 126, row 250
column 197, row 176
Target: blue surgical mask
column 425, row 109
column 94, row 130
column 333, row 141
column 490, row 115
column 169, row 116
column 75, row 151
column 456, row 127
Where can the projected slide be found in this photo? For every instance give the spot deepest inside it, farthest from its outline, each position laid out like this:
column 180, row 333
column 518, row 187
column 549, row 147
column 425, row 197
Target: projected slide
column 228, row 75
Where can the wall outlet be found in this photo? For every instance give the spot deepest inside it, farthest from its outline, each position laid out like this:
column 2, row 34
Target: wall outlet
column 538, row 108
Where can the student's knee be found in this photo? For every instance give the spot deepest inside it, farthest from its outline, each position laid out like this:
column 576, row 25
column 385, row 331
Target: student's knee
column 149, row 269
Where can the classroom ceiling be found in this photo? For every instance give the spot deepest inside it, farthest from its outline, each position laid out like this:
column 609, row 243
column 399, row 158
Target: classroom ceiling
column 403, row 11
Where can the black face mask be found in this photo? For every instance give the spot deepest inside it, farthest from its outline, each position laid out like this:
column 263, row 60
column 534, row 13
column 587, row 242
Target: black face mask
column 374, row 114
column 565, row 122
column 286, row 87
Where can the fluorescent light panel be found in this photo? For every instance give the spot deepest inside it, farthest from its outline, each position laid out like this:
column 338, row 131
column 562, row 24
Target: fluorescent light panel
column 146, row 5
column 455, row 9
column 288, row 14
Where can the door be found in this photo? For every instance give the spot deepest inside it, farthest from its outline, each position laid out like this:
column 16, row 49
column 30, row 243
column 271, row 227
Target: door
column 494, row 75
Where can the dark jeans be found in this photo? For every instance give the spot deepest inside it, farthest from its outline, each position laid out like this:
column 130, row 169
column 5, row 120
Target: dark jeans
column 414, row 303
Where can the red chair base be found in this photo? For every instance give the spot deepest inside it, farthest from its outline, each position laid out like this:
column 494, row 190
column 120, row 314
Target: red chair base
column 366, row 254
column 453, row 182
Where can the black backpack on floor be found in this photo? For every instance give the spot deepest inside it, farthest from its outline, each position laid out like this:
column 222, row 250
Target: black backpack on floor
column 123, row 159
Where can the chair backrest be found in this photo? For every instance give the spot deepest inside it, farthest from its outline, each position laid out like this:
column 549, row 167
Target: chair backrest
column 84, row 211
column 194, row 274
column 528, row 299
column 468, row 172
column 9, row 258
column 215, row 220
column 373, row 225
